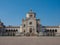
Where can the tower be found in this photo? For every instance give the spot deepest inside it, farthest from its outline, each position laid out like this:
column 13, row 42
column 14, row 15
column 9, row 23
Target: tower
column 31, row 14
column 2, row 28
column 29, row 24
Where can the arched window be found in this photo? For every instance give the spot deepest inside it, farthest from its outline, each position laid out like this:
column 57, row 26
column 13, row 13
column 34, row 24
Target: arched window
column 50, row 30
column 55, row 30
column 6, row 30
column 24, row 25
column 16, row 30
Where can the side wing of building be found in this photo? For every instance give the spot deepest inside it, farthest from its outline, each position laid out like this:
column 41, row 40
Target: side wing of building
column 12, row 30
column 51, row 30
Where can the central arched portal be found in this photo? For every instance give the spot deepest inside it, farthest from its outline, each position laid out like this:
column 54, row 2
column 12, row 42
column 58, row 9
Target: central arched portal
column 30, row 30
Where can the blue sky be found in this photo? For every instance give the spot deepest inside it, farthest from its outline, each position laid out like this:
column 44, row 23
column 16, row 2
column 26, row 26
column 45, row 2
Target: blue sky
column 12, row 11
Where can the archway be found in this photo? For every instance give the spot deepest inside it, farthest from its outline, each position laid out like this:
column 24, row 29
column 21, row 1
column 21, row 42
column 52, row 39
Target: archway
column 30, row 30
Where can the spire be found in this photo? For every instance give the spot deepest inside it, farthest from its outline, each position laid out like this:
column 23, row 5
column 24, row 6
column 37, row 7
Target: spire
column 30, row 10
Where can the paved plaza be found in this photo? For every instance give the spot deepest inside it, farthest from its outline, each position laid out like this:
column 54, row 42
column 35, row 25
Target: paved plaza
column 29, row 40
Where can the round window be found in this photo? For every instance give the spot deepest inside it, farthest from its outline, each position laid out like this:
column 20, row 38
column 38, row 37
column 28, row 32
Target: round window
column 30, row 23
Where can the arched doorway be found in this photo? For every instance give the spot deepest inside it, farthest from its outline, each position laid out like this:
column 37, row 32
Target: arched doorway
column 30, row 30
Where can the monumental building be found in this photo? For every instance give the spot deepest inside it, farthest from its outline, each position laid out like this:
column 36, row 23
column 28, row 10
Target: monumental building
column 30, row 26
